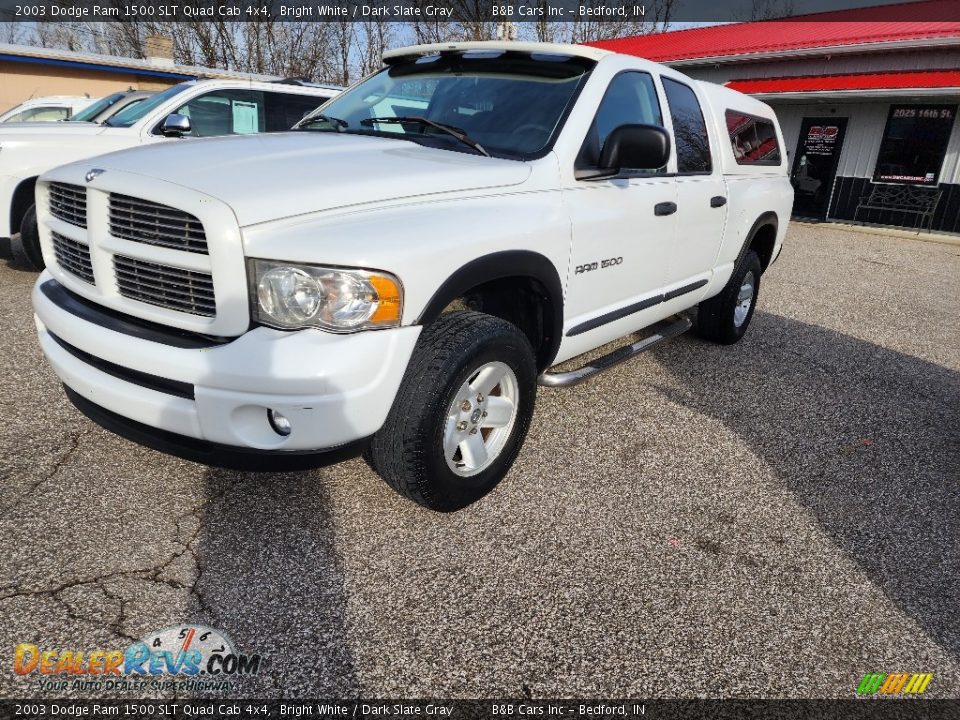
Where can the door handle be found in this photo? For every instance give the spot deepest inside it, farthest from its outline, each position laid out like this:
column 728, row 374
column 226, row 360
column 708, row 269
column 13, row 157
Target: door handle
column 665, row 208
column 718, row 201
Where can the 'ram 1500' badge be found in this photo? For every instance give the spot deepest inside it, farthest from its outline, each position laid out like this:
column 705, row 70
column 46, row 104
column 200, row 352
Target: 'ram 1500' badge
column 93, row 174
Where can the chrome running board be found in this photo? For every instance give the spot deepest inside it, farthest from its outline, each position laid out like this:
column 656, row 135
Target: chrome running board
column 664, row 330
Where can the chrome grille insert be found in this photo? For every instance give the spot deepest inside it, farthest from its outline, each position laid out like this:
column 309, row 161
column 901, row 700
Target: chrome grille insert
column 155, row 224
column 166, row 286
column 74, row 257
column 69, row 203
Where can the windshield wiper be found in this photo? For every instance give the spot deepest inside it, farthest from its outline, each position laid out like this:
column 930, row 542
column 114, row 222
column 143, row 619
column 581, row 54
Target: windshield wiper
column 458, row 133
column 338, row 124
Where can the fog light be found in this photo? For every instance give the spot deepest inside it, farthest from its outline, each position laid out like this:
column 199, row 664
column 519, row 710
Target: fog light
column 279, row 423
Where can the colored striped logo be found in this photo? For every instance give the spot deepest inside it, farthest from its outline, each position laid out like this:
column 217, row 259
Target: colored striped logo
column 894, row 683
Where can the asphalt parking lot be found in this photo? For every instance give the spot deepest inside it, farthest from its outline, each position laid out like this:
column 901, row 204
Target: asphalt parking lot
column 771, row 519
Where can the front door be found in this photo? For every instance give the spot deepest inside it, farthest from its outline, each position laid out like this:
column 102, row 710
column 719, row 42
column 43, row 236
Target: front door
column 623, row 228
column 815, row 165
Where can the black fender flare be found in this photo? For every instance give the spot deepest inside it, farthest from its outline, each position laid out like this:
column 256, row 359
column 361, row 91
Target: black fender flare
column 768, row 218
column 498, row 266
column 23, row 196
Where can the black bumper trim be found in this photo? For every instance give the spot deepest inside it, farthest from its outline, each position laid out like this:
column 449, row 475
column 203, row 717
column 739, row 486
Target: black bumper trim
column 126, row 324
column 213, row 454
column 135, row 377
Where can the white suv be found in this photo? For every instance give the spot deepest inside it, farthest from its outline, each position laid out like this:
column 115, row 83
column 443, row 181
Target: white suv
column 200, row 108
column 397, row 276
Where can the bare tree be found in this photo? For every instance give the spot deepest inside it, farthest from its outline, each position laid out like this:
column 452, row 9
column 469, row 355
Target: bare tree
column 12, row 33
column 766, row 10
column 371, row 39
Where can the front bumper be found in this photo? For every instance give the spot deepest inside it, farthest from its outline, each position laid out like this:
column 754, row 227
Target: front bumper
column 334, row 389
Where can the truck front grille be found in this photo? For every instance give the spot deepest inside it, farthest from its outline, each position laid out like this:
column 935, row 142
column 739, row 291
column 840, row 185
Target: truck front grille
column 155, row 224
column 166, row 286
column 74, row 257
column 69, row 203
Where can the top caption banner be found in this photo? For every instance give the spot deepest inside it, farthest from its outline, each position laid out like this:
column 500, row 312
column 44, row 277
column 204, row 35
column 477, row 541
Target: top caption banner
column 458, row 11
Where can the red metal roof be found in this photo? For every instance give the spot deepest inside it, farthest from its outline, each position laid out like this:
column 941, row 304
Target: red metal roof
column 870, row 81
column 890, row 23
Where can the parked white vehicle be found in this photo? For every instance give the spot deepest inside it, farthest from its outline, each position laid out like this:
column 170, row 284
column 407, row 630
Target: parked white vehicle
column 46, row 109
column 96, row 112
column 109, row 105
column 199, row 108
column 400, row 284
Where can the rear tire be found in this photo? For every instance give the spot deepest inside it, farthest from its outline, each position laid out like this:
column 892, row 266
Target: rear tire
column 26, row 248
column 724, row 318
column 461, row 413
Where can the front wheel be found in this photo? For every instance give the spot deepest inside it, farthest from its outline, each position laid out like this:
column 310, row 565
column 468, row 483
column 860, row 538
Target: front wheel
column 461, row 413
column 724, row 318
column 26, row 248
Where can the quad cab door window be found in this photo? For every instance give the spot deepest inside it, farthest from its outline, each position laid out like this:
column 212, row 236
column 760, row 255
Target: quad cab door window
column 701, row 192
column 623, row 227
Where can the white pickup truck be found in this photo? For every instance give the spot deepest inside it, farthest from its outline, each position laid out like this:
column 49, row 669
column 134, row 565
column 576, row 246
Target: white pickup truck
column 397, row 275
column 200, row 108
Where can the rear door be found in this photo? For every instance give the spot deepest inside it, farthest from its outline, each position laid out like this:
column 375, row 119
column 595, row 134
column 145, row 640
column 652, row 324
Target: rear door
column 701, row 192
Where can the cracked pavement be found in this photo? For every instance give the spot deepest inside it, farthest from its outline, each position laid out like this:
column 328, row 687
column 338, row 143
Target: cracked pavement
column 771, row 519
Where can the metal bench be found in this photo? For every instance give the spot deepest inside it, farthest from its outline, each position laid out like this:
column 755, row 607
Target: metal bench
column 912, row 199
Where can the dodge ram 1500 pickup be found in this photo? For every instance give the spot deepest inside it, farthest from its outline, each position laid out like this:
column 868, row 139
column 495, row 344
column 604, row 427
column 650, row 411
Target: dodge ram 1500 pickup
column 398, row 274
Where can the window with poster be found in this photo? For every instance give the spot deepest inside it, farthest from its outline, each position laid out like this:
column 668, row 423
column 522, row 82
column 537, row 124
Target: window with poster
column 914, row 144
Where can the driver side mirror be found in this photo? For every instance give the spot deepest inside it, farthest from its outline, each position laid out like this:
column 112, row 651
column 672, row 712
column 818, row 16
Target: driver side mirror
column 176, row 125
column 635, row 146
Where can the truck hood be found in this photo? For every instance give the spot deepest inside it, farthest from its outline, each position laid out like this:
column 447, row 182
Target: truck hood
column 282, row 175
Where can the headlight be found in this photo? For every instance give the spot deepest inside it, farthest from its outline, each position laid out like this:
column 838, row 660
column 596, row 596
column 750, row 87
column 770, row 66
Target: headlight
column 288, row 296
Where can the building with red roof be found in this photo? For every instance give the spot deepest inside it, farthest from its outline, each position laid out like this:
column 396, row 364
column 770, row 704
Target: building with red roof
column 866, row 98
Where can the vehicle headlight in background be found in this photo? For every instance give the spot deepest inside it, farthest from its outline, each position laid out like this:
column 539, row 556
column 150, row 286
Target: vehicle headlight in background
column 289, row 296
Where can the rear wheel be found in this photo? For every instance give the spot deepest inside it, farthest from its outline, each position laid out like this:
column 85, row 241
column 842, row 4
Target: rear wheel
column 461, row 414
column 724, row 318
column 26, row 248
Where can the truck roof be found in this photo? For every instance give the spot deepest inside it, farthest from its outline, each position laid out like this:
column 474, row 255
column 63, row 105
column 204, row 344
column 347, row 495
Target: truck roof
column 724, row 98
column 583, row 51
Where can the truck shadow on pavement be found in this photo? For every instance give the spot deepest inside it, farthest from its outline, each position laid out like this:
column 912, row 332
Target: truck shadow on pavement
column 271, row 580
column 866, row 438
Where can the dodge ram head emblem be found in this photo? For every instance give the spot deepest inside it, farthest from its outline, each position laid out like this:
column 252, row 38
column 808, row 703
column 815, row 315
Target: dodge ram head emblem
column 91, row 174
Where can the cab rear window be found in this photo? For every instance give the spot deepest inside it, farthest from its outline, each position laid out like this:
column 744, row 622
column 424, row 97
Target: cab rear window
column 754, row 139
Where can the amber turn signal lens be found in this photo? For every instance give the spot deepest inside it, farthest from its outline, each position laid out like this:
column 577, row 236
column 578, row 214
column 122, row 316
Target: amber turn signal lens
column 388, row 300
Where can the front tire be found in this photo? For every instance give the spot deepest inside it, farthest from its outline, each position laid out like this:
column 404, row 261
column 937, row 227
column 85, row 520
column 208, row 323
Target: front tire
column 26, row 248
column 724, row 318
column 461, row 413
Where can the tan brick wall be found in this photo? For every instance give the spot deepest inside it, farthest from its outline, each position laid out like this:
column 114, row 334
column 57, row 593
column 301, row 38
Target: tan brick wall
column 20, row 81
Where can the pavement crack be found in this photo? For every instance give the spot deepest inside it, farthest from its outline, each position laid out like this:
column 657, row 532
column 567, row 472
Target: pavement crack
column 58, row 465
column 117, row 626
column 17, row 593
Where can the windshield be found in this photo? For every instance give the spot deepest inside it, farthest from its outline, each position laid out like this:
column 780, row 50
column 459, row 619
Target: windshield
column 43, row 113
column 133, row 113
column 512, row 104
column 91, row 111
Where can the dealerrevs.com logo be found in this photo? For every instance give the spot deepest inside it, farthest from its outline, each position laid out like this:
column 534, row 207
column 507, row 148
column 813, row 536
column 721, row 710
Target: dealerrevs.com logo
column 899, row 684
column 185, row 657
